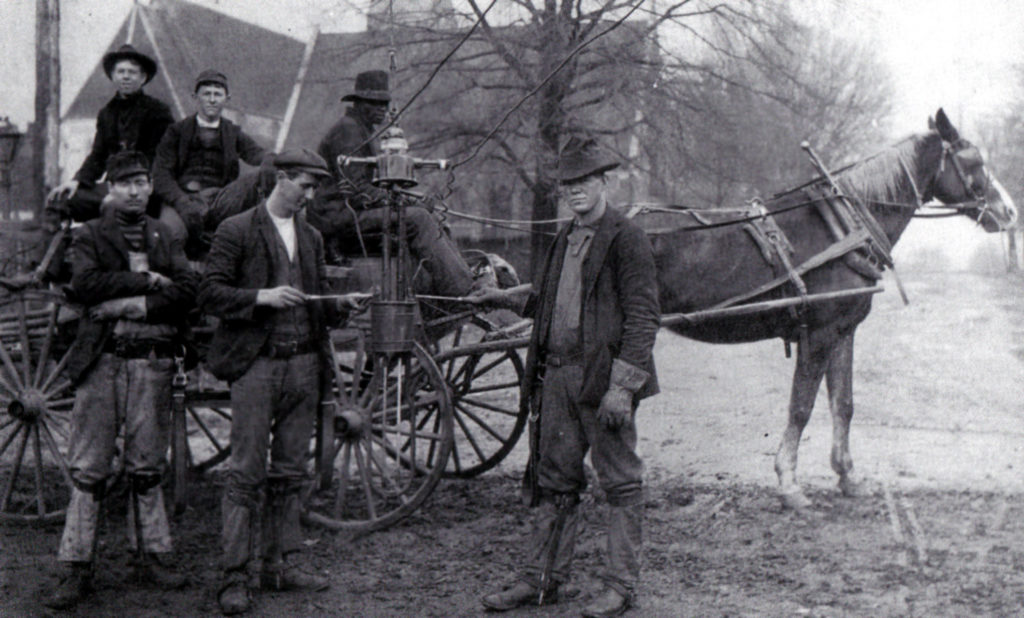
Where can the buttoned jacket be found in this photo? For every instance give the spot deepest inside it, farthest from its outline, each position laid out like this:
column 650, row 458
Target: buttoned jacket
column 147, row 118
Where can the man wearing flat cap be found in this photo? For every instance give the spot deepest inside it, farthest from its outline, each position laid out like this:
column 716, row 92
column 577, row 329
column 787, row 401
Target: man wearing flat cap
column 351, row 211
column 271, row 346
column 199, row 156
column 137, row 287
column 132, row 120
column 588, row 365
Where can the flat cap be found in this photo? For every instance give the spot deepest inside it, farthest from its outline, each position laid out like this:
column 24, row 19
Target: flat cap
column 126, row 163
column 210, row 76
column 302, row 159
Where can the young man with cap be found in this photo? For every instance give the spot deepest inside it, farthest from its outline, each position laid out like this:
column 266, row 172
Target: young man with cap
column 136, row 287
column 351, row 210
column 198, row 156
column 271, row 346
column 588, row 365
column 132, row 120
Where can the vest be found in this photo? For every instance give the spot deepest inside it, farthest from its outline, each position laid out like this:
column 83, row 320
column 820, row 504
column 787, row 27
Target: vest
column 292, row 324
column 205, row 161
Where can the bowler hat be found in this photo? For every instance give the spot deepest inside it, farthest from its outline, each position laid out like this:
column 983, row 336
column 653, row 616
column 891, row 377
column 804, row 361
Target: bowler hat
column 127, row 52
column 303, row 160
column 211, row 77
column 121, row 165
column 582, row 157
column 370, row 86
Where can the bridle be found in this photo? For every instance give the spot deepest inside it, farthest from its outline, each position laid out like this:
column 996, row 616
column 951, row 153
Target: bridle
column 949, row 152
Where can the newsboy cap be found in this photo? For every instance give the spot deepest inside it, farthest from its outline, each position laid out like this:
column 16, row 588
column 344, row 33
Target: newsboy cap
column 303, row 160
column 127, row 52
column 370, row 86
column 126, row 163
column 212, row 77
column 582, row 157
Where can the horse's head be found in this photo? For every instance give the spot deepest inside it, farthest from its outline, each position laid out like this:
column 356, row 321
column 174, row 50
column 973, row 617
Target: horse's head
column 964, row 180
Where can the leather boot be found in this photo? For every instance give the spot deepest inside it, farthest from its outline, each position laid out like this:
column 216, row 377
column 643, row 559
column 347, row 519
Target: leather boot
column 610, row 602
column 518, row 595
column 74, row 585
column 151, row 569
column 234, row 596
column 289, row 575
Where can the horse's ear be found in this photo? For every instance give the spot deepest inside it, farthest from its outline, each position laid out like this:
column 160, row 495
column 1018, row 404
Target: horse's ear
column 945, row 128
column 931, row 123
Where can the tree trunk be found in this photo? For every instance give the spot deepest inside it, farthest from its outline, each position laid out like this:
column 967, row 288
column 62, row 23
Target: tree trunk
column 46, row 129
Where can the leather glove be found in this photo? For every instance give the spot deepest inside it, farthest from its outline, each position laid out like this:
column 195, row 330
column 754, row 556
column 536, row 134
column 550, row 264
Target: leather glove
column 617, row 403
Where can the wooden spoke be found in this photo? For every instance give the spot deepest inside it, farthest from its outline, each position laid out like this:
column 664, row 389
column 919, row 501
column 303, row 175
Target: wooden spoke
column 44, row 354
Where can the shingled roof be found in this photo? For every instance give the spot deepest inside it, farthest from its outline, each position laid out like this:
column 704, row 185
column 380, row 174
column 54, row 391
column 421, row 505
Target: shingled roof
column 261, row 65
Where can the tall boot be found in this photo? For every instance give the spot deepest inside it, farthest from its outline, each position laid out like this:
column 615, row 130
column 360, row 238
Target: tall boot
column 282, row 565
column 78, row 546
column 549, row 555
column 75, row 584
column 150, row 534
column 238, row 537
column 622, row 571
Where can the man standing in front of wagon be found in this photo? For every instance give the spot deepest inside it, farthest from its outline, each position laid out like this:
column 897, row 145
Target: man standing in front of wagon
column 589, row 363
column 271, row 345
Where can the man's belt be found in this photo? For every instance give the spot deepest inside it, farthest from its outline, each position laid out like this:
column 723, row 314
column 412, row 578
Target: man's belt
column 142, row 348
column 287, row 349
column 563, row 360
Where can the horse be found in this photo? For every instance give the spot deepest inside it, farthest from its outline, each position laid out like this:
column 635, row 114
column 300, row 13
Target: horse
column 713, row 260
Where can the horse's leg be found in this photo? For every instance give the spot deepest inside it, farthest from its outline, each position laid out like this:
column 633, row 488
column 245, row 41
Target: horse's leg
column 839, row 380
column 810, row 367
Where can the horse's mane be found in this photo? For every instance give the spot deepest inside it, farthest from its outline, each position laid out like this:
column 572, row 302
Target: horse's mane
column 883, row 176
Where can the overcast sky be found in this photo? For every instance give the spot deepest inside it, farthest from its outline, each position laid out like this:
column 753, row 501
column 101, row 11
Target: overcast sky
column 953, row 53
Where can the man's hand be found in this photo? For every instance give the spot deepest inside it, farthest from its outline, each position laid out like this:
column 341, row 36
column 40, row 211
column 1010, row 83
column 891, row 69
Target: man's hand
column 280, row 297
column 353, row 301
column 192, row 210
column 617, row 404
column 63, row 191
column 131, row 308
column 157, row 281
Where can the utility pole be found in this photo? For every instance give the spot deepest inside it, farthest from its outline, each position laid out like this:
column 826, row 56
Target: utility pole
column 46, row 129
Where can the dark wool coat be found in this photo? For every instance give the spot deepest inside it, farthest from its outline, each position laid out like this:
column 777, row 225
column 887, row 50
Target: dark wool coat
column 172, row 155
column 349, row 137
column 239, row 264
column 620, row 315
column 146, row 119
column 101, row 272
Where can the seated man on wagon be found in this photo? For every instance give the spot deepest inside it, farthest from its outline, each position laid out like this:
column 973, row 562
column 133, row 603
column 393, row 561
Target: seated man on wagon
column 132, row 120
column 351, row 210
column 198, row 157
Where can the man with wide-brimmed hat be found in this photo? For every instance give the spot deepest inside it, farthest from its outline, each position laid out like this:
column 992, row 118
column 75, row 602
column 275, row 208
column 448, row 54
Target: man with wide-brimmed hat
column 351, row 211
column 132, row 120
column 271, row 346
column 198, row 157
column 588, row 365
column 136, row 287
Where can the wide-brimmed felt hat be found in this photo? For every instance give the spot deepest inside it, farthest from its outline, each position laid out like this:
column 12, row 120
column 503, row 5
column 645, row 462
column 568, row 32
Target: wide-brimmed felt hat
column 126, row 163
column 127, row 52
column 210, row 76
column 582, row 157
column 370, row 86
column 303, row 160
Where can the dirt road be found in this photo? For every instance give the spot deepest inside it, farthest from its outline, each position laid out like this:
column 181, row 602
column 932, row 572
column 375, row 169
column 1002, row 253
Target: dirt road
column 937, row 434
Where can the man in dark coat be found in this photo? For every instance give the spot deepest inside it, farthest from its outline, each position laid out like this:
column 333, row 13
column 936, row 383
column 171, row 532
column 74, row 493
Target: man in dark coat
column 352, row 211
column 132, row 120
column 199, row 156
column 136, row 286
column 589, row 363
column 271, row 346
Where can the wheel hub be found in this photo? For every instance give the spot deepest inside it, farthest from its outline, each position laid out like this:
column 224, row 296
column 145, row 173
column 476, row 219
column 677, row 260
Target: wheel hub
column 29, row 406
column 350, row 422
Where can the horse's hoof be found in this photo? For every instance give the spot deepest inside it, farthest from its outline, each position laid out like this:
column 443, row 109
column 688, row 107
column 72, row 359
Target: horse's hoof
column 852, row 488
column 795, row 501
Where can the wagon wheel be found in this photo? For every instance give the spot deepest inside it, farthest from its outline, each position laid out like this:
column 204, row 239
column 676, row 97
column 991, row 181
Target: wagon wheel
column 36, row 330
column 200, row 435
column 387, row 445
column 483, row 378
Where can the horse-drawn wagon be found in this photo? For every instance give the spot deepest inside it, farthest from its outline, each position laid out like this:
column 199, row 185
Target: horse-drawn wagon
column 421, row 393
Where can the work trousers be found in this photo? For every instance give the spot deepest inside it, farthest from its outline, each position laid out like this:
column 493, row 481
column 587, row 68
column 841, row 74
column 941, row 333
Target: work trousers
column 429, row 245
column 273, row 407
column 568, row 430
column 116, row 391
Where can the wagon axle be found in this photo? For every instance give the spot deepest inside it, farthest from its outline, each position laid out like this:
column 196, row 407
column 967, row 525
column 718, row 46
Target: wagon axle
column 29, row 406
column 350, row 422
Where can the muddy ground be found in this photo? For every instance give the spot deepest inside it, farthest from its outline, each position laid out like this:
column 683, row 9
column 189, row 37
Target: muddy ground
column 937, row 436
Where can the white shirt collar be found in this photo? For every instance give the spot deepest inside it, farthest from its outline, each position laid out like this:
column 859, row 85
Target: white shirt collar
column 206, row 124
column 286, row 229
